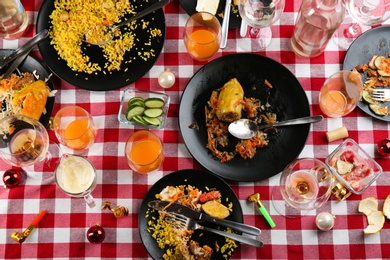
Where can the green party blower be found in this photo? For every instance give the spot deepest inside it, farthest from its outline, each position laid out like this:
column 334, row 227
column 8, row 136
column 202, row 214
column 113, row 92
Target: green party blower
column 256, row 199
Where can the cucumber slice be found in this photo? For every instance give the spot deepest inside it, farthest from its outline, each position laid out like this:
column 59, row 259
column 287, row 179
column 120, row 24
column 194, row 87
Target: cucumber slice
column 366, row 97
column 152, row 120
column 154, row 103
column 382, row 65
column 379, row 110
column 139, row 120
column 138, row 103
column 136, row 100
column 134, row 110
column 153, row 112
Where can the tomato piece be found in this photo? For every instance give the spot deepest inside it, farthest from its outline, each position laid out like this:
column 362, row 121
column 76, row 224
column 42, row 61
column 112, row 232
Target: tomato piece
column 348, row 156
column 211, row 195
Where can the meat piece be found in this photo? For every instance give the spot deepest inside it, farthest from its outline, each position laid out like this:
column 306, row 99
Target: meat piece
column 200, row 252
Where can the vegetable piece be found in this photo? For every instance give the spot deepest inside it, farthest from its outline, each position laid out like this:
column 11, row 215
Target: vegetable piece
column 140, row 103
column 378, row 109
column 135, row 100
column 383, row 66
column 145, row 111
column 230, row 99
column 215, row 209
column 31, row 100
column 154, row 103
column 153, row 112
column 134, row 110
column 139, row 119
column 366, row 97
column 211, row 195
column 152, row 120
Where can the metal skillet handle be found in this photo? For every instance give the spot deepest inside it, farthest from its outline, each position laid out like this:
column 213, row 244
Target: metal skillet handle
column 232, row 224
column 239, row 238
column 25, row 48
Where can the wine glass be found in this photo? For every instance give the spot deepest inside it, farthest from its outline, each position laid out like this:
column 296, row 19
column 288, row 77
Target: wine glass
column 362, row 14
column 259, row 15
column 340, row 93
column 305, row 185
column 24, row 142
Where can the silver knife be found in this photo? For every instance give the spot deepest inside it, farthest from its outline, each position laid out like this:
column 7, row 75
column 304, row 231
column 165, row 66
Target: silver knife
column 186, row 211
column 225, row 24
column 25, row 47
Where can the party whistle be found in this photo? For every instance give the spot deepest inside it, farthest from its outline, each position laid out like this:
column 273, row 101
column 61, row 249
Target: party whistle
column 20, row 237
column 256, row 199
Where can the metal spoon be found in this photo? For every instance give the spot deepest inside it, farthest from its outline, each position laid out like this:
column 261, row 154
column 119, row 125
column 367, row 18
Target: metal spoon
column 106, row 33
column 245, row 128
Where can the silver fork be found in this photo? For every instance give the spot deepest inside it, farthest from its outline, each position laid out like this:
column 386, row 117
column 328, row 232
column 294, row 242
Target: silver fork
column 180, row 221
column 380, row 94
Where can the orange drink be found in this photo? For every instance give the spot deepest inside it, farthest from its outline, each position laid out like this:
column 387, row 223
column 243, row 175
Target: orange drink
column 340, row 93
column 144, row 152
column 79, row 134
column 74, row 128
column 202, row 35
column 333, row 103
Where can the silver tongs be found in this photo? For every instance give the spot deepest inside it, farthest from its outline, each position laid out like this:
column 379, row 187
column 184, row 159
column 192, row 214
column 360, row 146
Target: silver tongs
column 21, row 53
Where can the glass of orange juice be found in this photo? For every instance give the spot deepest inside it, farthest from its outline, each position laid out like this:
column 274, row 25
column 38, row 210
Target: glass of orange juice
column 144, row 151
column 340, row 93
column 74, row 128
column 202, row 35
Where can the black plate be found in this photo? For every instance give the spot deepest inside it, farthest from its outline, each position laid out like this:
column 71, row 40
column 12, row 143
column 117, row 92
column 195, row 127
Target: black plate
column 30, row 65
column 201, row 180
column 235, row 18
column 373, row 42
column 129, row 73
column 287, row 98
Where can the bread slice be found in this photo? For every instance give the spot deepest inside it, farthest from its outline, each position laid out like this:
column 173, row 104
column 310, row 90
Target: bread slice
column 209, row 6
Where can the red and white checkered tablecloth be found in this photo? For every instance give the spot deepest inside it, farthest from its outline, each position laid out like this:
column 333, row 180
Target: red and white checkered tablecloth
column 62, row 232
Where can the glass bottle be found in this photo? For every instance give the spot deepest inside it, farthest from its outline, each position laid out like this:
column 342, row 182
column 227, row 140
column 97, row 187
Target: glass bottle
column 315, row 25
column 13, row 19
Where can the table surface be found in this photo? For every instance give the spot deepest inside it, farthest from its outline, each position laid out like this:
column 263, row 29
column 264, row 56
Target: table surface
column 62, row 232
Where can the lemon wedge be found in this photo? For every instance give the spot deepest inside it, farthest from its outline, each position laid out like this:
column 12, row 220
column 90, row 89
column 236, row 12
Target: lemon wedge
column 215, row 209
column 343, row 167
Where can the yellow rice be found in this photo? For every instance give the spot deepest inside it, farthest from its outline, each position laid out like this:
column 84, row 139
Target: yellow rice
column 72, row 19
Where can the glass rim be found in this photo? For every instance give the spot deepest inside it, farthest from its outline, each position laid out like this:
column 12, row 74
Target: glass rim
column 160, row 151
column 83, row 193
column 56, row 127
column 328, row 191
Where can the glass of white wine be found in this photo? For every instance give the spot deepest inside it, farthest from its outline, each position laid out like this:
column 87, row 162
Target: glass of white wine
column 362, row 14
column 305, row 185
column 259, row 15
column 24, row 142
